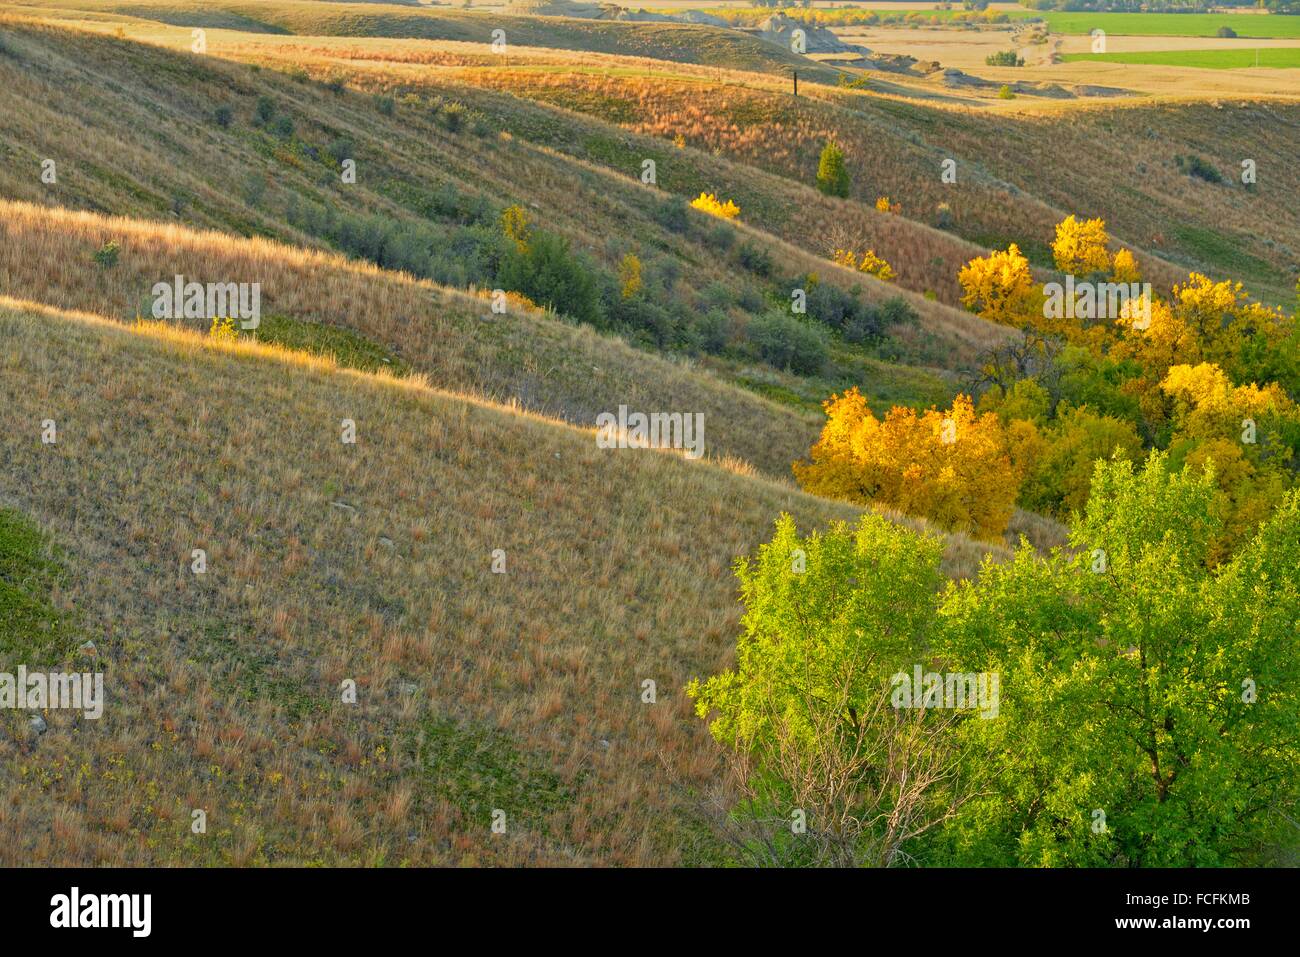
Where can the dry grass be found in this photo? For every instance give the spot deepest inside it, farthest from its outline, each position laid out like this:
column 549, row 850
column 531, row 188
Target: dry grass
column 565, row 370
column 223, row 688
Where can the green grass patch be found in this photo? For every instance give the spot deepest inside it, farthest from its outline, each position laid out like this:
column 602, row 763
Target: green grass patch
column 480, row 769
column 346, row 347
column 32, row 630
column 1278, row 58
column 1223, row 257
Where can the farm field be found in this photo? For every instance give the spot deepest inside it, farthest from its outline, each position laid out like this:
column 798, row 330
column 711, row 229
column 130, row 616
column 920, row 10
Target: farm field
column 1281, row 58
column 524, row 436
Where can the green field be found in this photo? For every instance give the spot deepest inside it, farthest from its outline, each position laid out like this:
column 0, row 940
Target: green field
column 1274, row 57
column 1266, row 26
column 1172, row 24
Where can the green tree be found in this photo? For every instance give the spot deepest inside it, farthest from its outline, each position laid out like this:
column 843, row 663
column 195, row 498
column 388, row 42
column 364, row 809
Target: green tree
column 1149, row 713
column 806, row 714
column 832, row 175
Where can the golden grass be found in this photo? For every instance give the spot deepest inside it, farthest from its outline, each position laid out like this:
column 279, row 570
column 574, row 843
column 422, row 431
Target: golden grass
column 46, row 255
column 223, row 688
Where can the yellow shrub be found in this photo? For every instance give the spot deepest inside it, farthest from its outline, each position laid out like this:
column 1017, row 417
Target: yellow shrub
column 708, row 203
column 515, row 225
column 871, row 263
column 1125, row 268
column 223, row 328
column 629, row 275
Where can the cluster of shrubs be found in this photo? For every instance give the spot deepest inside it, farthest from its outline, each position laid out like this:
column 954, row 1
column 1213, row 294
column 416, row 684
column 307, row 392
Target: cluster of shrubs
column 1004, row 58
column 1193, row 165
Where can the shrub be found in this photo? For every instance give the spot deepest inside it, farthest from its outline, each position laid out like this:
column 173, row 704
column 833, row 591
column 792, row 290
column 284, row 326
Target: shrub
column 670, row 213
column 1227, row 32
column 515, row 226
column 284, row 127
column 806, row 714
column 106, row 255
column 1004, row 58
column 1128, row 686
column 1000, row 288
column 709, row 203
column 1004, row 93
column 755, row 258
column 1080, row 246
column 548, row 273
column 223, row 115
column 629, row 276
column 385, row 105
column 786, row 343
column 223, row 329
column 453, row 117
column 340, row 150
column 1193, row 165
column 265, row 109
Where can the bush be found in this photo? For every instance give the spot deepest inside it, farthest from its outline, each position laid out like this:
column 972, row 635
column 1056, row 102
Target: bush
column 340, row 150
column 755, row 258
column 1128, row 674
column 549, row 274
column 1004, row 58
column 265, row 109
column 786, row 343
column 1195, row 166
column 284, row 128
column 953, row 468
column 1226, row 32
column 107, row 254
column 223, row 116
column 806, row 713
column 453, row 117
column 670, row 213
column 385, row 105
column 832, row 175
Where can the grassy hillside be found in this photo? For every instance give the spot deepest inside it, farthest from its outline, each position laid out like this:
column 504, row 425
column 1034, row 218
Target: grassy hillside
column 440, row 187
column 704, row 45
column 369, row 562
column 1017, row 175
column 453, row 339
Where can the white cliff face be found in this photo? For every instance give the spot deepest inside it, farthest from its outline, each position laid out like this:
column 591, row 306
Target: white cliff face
column 779, row 29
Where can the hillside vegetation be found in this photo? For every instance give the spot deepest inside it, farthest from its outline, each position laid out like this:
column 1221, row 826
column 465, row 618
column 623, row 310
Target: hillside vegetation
column 372, row 575
column 370, row 562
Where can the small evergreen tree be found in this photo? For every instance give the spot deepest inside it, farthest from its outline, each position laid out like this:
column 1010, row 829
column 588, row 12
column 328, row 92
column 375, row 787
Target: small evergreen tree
column 832, row 176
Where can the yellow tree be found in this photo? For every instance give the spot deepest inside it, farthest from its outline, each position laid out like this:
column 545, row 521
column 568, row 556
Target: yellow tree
column 1239, row 430
column 953, row 468
column 1001, row 288
column 1080, row 246
column 629, row 275
column 1124, row 268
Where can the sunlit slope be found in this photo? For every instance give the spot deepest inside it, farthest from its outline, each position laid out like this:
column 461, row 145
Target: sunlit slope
column 370, row 562
column 1016, row 175
column 454, row 339
column 674, row 42
column 88, row 99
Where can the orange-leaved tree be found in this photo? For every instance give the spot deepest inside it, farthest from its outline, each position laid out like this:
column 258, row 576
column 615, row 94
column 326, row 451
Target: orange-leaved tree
column 953, row 468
